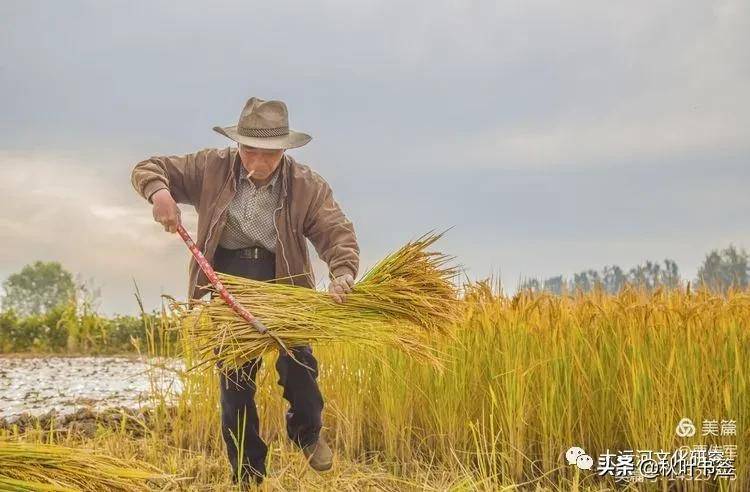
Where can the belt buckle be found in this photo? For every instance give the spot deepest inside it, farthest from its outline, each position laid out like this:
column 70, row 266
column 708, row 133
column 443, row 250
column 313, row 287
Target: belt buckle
column 250, row 252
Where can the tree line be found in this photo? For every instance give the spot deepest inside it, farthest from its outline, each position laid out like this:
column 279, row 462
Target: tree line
column 44, row 309
column 720, row 271
column 43, row 306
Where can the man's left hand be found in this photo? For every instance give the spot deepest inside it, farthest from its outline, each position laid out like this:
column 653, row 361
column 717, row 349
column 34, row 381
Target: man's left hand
column 340, row 286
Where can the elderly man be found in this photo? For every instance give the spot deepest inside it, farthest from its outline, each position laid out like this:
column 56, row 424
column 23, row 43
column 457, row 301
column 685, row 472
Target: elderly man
column 256, row 205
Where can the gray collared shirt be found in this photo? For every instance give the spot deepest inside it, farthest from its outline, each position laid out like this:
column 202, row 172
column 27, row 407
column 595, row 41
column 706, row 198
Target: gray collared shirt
column 250, row 213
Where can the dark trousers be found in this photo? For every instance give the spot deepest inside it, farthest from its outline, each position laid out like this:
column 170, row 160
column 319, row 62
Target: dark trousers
column 239, row 415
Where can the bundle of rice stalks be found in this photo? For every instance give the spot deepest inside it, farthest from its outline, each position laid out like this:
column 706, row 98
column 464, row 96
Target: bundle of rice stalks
column 402, row 301
column 36, row 467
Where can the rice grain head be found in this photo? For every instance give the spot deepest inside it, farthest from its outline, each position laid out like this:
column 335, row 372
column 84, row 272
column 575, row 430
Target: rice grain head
column 402, row 302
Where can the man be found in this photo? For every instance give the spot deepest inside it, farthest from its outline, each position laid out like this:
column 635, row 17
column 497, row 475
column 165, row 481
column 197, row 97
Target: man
column 256, row 205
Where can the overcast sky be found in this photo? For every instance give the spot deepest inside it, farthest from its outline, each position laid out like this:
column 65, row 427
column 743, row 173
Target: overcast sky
column 554, row 136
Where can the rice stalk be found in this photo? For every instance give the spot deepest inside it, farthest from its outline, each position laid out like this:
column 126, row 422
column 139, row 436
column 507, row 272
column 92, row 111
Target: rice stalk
column 401, row 302
column 26, row 466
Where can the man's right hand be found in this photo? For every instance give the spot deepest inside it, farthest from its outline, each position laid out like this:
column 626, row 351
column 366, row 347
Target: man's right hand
column 165, row 210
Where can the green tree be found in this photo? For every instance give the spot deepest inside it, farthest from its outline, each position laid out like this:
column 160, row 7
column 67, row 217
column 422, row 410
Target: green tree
column 585, row 281
column 38, row 288
column 554, row 285
column 613, row 278
column 531, row 284
column 670, row 274
column 646, row 275
column 724, row 269
column 652, row 275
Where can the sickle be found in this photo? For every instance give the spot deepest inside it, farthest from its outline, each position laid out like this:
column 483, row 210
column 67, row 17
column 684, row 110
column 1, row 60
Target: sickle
column 224, row 293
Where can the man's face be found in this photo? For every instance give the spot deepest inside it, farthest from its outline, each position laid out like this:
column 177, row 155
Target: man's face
column 261, row 163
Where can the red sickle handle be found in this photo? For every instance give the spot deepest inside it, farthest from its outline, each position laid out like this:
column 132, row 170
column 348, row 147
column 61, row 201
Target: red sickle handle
column 223, row 292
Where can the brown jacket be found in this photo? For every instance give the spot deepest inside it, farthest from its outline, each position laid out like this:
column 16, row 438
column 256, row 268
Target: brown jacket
column 207, row 180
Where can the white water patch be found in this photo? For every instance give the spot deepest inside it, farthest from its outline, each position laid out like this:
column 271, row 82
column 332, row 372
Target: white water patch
column 36, row 385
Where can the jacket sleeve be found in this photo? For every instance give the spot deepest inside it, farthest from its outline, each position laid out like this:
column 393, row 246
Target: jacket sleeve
column 181, row 175
column 331, row 232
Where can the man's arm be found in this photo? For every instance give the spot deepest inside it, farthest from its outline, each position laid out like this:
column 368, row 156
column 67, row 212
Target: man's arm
column 331, row 232
column 181, row 175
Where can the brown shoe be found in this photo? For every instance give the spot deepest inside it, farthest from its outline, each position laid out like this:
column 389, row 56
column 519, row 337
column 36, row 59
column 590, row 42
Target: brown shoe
column 319, row 455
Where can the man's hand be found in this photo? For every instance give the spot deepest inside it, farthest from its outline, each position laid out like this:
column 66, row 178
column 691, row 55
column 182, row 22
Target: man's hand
column 340, row 286
column 165, row 210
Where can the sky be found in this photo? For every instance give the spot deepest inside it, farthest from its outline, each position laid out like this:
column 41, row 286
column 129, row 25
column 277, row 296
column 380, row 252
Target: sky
column 552, row 137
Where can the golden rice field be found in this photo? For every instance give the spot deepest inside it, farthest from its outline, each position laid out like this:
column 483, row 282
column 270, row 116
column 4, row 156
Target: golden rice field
column 526, row 378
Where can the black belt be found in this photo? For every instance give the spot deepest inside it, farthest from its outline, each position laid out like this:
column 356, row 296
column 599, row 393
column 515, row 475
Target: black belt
column 250, row 253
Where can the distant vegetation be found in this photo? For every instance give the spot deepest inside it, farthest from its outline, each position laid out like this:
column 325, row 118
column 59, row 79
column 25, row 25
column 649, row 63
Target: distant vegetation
column 720, row 271
column 65, row 329
column 45, row 309
column 39, row 288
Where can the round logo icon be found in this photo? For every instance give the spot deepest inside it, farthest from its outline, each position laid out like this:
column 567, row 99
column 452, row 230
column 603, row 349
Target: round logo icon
column 573, row 453
column 685, row 428
column 585, row 462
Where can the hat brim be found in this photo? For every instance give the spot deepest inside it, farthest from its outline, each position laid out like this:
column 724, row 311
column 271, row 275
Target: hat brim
column 290, row 141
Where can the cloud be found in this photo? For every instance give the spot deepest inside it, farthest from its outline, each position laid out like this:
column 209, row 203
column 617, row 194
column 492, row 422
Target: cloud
column 613, row 140
column 57, row 208
column 554, row 136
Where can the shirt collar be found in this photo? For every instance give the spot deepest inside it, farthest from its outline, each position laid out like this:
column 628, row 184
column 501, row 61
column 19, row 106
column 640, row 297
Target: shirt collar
column 271, row 184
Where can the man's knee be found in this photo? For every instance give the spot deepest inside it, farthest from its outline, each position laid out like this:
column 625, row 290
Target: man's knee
column 238, row 392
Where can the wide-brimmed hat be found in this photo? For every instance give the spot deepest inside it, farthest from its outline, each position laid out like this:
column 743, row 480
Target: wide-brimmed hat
column 264, row 124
